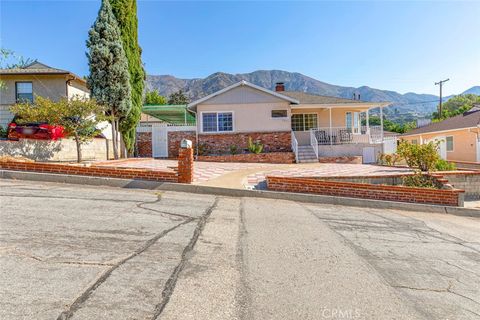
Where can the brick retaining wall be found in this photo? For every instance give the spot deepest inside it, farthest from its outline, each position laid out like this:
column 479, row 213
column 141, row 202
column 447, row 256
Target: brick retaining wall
column 144, row 144
column 174, row 139
column 366, row 191
column 272, row 141
column 465, row 180
column 272, row 157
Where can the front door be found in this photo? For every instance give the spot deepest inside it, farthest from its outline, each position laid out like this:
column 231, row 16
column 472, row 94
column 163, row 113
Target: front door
column 442, row 147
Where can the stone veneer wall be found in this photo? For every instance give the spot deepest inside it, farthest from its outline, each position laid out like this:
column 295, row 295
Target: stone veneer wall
column 272, row 141
column 144, row 144
column 271, row 157
column 453, row 197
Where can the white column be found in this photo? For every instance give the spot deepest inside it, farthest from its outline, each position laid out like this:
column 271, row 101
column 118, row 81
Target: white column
column 368, row 126
column 381, row 129
column 330, row 124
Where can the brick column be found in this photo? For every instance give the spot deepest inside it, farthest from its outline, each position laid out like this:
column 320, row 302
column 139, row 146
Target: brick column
column 185, row 165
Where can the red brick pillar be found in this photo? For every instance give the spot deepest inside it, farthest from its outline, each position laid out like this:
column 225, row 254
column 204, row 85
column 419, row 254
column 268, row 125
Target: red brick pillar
column 185, row 165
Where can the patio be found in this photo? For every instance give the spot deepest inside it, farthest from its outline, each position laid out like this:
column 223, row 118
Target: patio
column 252, row 175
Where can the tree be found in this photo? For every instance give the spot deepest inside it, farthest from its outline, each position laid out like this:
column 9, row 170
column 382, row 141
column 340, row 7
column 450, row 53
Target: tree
column 10, row 60
column 125, row 12
column 109, row 79
column 419, row 156
column 391, row 126
column 79, row 117
column 457, row 105
column 153, row 97
column 178, row 98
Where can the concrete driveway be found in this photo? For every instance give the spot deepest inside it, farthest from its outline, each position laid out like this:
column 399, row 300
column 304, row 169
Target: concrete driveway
column 74, row 252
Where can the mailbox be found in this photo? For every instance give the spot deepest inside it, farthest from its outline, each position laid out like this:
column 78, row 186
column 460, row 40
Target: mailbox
column 187, row 144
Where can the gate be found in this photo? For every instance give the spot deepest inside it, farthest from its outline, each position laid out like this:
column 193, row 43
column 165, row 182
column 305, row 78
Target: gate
column 369, row 155
column 159, row 141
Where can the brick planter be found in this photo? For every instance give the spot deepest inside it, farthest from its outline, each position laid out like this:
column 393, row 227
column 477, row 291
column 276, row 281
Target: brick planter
column 272, row 157
column 367, row 191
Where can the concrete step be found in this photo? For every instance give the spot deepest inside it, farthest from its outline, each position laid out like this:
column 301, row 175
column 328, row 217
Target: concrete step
column 307, row 160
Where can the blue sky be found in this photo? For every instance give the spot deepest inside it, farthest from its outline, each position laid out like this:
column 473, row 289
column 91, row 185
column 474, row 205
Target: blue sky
column 401, row 46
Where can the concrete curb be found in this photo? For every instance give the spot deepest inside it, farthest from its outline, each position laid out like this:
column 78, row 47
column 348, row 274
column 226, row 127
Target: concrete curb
column 300, row 197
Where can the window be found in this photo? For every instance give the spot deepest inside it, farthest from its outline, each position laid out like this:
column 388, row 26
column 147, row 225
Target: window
column 279, row 113
column 217, row 121
column 304, row 122
column 24, row 92
column 449, row 143
column 352, row 121
column 414, row 141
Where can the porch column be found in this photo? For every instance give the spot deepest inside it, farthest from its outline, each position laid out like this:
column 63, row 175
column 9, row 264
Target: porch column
column 330, row 125
column 381, row 127
column 368, row 126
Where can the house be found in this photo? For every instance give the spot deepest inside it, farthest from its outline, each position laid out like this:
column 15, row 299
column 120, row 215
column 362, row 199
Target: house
column 37, row 79
column 310, row 125
column 458, row 136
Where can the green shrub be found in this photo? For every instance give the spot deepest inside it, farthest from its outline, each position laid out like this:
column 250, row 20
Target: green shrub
column 420, row 180
column 419, row 156
column 389, row 159
column 254, row 147
column 233, row 149
column 3, row 132
column 444, row 165
column 203, row 149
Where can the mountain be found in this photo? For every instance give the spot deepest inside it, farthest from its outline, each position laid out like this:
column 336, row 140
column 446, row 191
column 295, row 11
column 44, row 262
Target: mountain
column 473, row 90
column 405, row 107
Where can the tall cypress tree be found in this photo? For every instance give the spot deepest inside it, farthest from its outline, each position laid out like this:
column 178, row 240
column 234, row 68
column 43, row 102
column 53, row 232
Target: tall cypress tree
column 109, row 79
column 125, row 12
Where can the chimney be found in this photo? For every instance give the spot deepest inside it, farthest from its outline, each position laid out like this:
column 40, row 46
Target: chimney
column 279, row 86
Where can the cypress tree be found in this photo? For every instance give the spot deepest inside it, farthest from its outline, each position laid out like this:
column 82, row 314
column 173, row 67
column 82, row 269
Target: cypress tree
column 125, row 12
column 109, row 79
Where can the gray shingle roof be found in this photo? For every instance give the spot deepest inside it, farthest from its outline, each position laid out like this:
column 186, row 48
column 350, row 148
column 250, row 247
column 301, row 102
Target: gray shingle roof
column 34, row 68
column 308, row 98
column 468, row 119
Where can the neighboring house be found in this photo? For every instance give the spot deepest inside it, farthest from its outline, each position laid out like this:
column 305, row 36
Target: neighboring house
column 170, row 114
column 37, row 79
column 310, row 125
column 459, row 136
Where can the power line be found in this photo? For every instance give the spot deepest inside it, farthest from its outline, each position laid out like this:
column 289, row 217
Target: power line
column 440, row 105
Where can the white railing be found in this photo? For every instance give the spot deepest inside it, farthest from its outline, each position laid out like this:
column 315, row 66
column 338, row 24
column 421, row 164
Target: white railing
column 295, row 146
column 344, row 135
column 314, row 142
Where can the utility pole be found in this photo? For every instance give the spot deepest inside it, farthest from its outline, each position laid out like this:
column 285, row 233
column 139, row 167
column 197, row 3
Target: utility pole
column 440, row 83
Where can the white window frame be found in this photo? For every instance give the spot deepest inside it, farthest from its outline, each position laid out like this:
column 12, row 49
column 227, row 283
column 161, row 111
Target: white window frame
column 446, row 143
column 303, row 113
column 358, row 129
column 216, row 115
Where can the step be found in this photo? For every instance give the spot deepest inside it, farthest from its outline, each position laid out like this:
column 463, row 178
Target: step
column 307, row 160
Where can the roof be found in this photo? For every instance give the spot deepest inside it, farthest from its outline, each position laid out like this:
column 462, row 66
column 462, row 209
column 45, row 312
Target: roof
column 469, row 119
column 309, row 98
column 174, row 114
column 36, row 68
column 239, row 84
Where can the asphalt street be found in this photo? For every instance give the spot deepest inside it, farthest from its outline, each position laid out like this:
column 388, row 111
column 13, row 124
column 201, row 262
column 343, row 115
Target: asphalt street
column 79, row 252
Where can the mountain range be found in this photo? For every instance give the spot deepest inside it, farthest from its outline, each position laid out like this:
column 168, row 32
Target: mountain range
column 405, row 107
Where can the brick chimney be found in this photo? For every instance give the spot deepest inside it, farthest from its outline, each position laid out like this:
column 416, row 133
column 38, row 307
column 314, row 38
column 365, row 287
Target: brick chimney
column 279, row 86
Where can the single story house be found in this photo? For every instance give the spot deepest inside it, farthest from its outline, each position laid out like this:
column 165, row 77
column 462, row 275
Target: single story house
column 459, row 136
column 310, row 125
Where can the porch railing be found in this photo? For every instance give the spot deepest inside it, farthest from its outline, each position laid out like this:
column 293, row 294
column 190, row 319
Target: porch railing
column 295, row 146
column 314, row 142
column 346, row 135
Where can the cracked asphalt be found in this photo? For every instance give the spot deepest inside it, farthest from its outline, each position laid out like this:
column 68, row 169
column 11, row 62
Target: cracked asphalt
column 79, row 252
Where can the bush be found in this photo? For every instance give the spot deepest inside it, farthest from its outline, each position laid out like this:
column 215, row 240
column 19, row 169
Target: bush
column 444, row 165
column 3, row 132
column 233, row 149
column 419, row 156
column 254, row 147
column 203, row 149
column 420, row 180
column 389, row 159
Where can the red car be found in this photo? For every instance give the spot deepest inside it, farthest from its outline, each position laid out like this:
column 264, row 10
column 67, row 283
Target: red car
column 40, row 131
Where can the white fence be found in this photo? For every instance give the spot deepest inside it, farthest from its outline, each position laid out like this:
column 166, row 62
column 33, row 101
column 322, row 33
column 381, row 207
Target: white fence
column 295, row 146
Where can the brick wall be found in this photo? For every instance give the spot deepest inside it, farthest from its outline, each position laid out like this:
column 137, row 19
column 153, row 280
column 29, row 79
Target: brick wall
column 272, row 141
column 272, row 157
column 366, row 191
column 174, row 139
column 185, row 165
column 465, row 180
column 110, row 172
column 144, row 144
